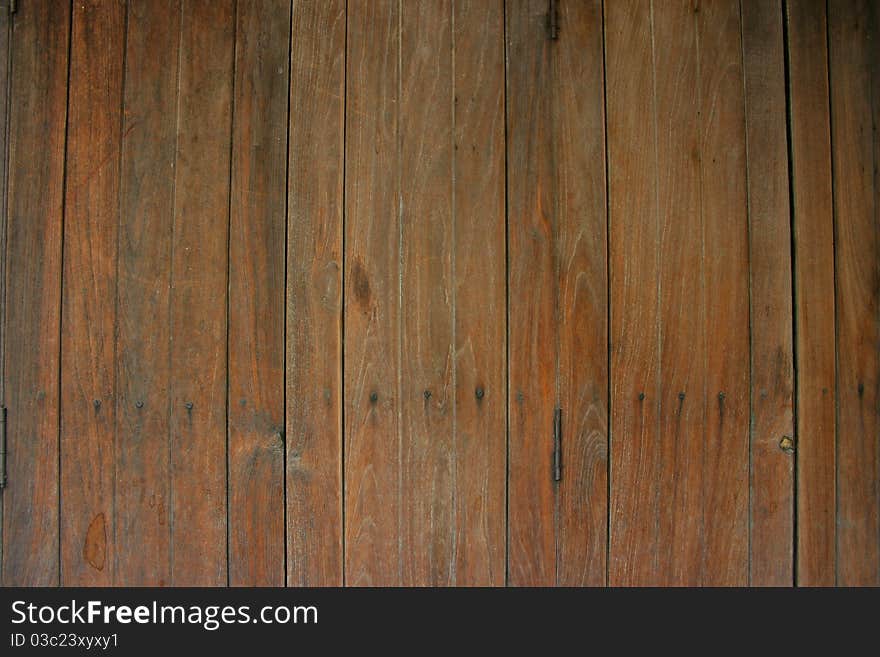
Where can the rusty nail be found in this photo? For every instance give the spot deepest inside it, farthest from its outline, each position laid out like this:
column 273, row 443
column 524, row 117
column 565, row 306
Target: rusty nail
column 189, row 406
column 786, row 444
column 479, row 392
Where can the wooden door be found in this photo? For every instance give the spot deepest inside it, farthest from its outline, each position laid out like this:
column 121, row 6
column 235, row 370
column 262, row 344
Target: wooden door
column 440, row 292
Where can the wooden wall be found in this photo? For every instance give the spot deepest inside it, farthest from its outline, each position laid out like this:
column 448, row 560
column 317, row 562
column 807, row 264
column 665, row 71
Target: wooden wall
column 380, row 292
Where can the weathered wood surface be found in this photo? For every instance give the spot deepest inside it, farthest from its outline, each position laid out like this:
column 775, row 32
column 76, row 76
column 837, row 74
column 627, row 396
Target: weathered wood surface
column 314, row 295
column 814, row 298
column 292, row 291
column 634, row 240
column 88, row 329
column 854, row 62
column 479, row 281
column 532, row 304
column 198, row 318
column 32, row 335
column 771, row 556
column 257, row 294
column 371, row 382
column 679, row 295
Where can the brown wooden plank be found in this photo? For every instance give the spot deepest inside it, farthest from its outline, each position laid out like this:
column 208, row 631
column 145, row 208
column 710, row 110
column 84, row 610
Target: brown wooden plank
column 479, row 279
column 40, row 36
column 427, row 404
column 683, row 340
column 314, row 290
column 256, row 290
column 634, row 234
column 88, row 358
column 198, row 288
column 371, row 410
column 772, row 387
column 854, row 60
column 143, row 468
column 814, row 292
column 532, row 312
column 579, row 137
column 725, row 440
column 5, row 50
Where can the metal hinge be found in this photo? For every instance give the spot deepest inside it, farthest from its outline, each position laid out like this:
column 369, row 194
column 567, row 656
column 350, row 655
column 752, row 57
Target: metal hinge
column 557, row 444
column 2, row 447
column 552, row 20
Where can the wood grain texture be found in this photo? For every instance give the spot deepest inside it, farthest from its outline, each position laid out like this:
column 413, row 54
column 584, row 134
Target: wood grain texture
column 772, row 375
column 142, row 531
column 427, row 404
column 40, row 35
column 854, row 61
column 88, row 357
column 479, row 280
column 371, row 385
column 532, row 311
column 291, row 291
column 814, row 293
column 634, row 239
column 683, row 263
column 725, row 440
column 314, row 290
column 199, row 292
column 579, row 137
column 256, row 294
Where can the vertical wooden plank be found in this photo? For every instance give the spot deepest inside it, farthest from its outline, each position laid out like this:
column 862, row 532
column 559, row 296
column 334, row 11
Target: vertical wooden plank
column 372, row 495
column 683, row 340
column 198, row 288
column 814, row 292
column 579, row 124
column 88, row 358
column 725, row 440
column 256, row 290
column 143, row 468
column 314, row 289
column 5, row 34
column 479, row 280
column 532, row 312
column 634, row 234
column 854, row 60
column 772, row 387
column 40, row 35
column 427, row 403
